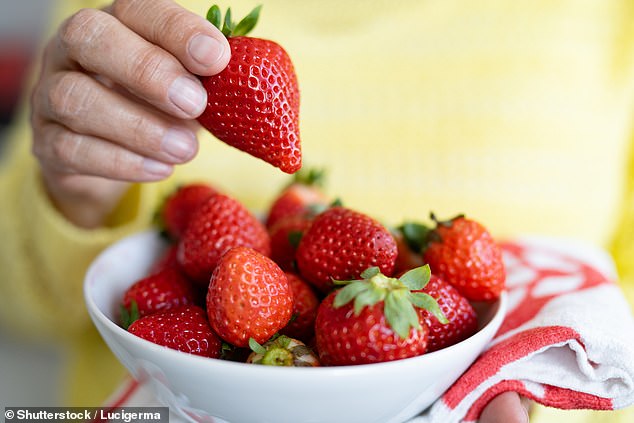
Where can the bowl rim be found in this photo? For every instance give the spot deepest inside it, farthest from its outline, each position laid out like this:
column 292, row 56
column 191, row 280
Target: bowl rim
column 494, row 322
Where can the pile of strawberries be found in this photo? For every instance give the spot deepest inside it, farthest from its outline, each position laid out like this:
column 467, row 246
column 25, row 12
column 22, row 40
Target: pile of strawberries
column 312, row 283
column 315, row 282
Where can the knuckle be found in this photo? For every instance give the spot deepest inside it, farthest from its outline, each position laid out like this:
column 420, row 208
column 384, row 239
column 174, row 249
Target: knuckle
column 148, row 68
column 63, row 148
column 80, row 29
column 118, row 164
column 72, row 30
column 174, row 22
column 68, row 96
column 122, row 7
column 140, row 132
column 140, row 128
column 55, row 147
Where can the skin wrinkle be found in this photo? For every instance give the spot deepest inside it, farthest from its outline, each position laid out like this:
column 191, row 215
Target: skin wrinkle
column 57, row 149
column 173, row 21
column 120, row 7
column 140, row 127
column 73, row 145
column 147, row 68
column 81, row 31
column 77, row 98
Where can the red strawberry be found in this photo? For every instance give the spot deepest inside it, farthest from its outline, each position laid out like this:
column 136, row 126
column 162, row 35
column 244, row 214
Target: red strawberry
column 282, row 351
column 180, row 205
column 216, row 226
column 407, row 258
column 167, row 259
column 342, row 243
column 253, row 104
column 374, row 319
column 248, row 297
column 184, row 328
column 160, row 291
column 463, row 253
column 285, row 236
column 463, row 321
column 299, row 197
column 305, row 304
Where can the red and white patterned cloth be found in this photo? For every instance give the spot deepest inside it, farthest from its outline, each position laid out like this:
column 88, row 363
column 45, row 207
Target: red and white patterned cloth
column 567, row 340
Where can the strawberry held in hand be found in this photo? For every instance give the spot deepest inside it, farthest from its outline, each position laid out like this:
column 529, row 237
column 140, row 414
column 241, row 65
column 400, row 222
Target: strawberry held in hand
column 253, row 104
column 248, row 297
column 375, row 319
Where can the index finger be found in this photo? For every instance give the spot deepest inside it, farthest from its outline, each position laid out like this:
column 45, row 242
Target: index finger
column 197, row 44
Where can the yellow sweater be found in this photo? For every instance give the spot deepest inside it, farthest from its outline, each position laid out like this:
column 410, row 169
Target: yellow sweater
column 518, row 113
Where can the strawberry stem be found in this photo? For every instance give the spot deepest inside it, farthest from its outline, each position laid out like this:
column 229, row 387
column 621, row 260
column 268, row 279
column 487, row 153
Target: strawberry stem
column 227, row 26
column 399, row 300
column 282, row 351
column 277, row 356
column 447, row 223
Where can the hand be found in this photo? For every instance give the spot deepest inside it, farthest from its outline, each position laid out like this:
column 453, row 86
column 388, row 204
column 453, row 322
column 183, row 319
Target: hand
column 507, row 407
column 116, row 101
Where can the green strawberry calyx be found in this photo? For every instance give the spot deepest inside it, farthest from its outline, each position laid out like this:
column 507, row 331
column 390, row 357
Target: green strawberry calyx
column 400, row 296
column 282, row 351
column 419, row 236
column 312, row 177
column 129, row 315
column 415, row 234
column 230, row 28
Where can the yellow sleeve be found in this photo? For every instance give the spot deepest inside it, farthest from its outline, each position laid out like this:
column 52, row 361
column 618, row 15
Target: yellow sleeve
column 43, row 257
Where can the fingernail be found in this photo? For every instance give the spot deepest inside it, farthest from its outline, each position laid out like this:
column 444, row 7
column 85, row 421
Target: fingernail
column 188, row 95
column 181, row 144
column 206, row 50
column 155, row 168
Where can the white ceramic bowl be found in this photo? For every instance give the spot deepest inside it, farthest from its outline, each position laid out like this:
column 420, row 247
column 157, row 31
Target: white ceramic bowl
column 247, row 393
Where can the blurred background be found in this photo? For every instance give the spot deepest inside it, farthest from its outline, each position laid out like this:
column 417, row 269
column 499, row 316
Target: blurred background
column 28, row 370
column 21, row 26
